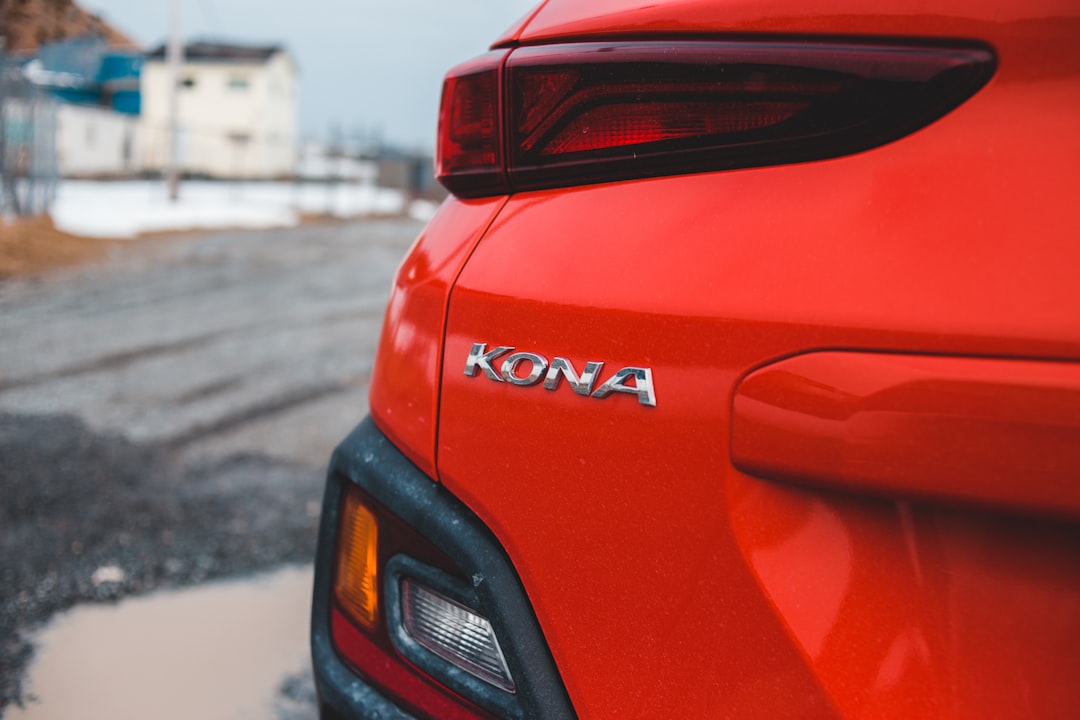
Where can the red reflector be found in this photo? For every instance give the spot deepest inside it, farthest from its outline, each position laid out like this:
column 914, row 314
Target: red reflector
column 594, row 112
column 393, row 676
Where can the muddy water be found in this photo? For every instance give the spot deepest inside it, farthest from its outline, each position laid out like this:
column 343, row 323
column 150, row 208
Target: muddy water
column 219, row 651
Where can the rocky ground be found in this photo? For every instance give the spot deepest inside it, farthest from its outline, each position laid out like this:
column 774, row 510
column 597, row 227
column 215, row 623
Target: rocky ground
column 165, row 415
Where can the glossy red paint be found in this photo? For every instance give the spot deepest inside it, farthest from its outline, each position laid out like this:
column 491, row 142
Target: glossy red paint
column 668, row 582
column 405, row 378
column 1017, row 20
column 907, row 610
column 511, row 34
column 1003, row 433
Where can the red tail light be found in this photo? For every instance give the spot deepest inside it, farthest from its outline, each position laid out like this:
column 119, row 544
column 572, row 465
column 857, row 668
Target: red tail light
column 469, row 142
column 551, row 116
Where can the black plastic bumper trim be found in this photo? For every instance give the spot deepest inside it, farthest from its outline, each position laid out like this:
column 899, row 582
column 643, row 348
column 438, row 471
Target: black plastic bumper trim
column 369, row 460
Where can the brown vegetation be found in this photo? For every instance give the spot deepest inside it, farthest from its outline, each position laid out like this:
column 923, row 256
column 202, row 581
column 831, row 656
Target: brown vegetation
column 27, row 24
column 34, row 245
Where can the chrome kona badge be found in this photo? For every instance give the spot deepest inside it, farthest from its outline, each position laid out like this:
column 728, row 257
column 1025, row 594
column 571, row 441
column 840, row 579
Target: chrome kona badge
column 480, row 358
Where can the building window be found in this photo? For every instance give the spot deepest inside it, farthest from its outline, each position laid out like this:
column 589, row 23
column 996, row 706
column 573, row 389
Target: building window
column 238, row 83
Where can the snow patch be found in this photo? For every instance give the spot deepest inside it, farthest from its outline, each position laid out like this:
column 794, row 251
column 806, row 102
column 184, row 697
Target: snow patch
column 128, row 209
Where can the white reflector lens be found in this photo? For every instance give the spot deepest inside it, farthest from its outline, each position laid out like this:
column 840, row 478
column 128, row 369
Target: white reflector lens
column 455, row 633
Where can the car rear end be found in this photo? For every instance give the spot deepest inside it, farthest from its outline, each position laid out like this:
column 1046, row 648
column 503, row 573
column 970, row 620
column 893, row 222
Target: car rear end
column 738, row 377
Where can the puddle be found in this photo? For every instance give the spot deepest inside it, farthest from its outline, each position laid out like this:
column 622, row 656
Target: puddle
column 215, row 652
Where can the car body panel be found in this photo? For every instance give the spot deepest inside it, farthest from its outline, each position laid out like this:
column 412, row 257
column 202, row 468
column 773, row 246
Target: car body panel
column 667, row 581
column 1008, row 25
column 644, row 551
column 997, row 433
column 405, row 377
column 512, row 33
column 908, row 609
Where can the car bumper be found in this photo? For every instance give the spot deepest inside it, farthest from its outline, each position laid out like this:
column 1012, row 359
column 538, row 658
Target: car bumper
column 369, row 460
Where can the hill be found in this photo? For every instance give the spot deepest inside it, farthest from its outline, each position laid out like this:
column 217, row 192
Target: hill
column 27, row 24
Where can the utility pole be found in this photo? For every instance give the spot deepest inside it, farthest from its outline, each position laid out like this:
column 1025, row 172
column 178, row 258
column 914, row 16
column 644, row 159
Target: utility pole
column 175, row 54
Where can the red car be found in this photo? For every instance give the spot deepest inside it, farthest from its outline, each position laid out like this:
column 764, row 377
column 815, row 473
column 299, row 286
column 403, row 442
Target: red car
column 738, row 377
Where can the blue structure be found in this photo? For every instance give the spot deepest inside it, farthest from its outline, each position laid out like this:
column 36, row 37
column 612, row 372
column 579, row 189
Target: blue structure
column 85, row 71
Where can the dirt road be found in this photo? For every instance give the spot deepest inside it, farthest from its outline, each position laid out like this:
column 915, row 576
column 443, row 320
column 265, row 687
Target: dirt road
column 165, row 416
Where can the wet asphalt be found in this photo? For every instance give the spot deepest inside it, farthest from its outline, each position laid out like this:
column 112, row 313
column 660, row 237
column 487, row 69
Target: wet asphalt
column 166, row 415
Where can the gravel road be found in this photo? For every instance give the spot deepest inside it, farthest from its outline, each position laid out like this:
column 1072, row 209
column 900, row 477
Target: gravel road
column 165, row 416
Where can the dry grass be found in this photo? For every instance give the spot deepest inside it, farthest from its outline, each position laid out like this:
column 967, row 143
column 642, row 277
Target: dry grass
column 33, row 245
column 27, row 24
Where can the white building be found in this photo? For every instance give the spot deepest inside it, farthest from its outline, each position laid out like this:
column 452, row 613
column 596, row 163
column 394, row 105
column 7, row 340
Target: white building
column 96, row 142
column 237, row 111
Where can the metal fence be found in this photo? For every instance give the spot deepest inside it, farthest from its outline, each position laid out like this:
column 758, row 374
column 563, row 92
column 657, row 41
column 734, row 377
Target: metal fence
column 28, row 159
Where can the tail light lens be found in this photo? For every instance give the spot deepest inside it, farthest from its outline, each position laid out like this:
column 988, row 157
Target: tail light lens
column 594, row 112
column 469, row 144
column 455, row 633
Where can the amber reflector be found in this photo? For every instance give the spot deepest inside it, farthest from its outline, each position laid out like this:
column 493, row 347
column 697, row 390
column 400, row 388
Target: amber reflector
column 356, row 583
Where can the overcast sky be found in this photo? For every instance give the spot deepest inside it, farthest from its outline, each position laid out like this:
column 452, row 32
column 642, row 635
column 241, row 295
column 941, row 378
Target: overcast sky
column 375, row 65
